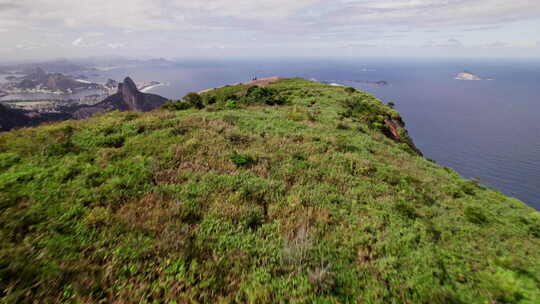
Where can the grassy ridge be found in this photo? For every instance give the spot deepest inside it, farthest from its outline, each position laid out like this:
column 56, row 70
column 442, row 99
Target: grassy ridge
column 294, row 196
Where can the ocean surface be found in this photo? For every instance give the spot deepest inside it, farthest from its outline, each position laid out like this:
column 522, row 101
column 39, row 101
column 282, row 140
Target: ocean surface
column 487, row 129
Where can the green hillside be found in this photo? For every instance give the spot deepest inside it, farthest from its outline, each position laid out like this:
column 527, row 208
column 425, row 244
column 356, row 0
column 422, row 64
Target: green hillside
column 292, row 193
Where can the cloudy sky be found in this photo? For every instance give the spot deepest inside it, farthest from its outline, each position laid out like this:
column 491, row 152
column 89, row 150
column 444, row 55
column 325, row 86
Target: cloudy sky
column 38, row 29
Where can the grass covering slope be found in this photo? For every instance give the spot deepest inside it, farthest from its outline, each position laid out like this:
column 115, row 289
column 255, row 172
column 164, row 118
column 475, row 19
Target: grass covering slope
column 291, row 193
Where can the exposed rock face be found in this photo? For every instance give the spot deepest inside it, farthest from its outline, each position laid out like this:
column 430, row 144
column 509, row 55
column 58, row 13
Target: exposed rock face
column 128, row 98
column 395, row 130
column 133, row 100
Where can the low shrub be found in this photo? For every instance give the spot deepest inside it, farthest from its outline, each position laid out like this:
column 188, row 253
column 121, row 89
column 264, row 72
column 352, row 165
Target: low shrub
column 241, row 160
column 297, row 114
column 252, row 220
column 113, row 141
column 231, row 104
column 8, row 159
column 406, row 210
column 350, row 90
column 469, row 188
column 176, row 105
column 257, row 94
column 475, row 215
column 194, row 100
column 98, row 216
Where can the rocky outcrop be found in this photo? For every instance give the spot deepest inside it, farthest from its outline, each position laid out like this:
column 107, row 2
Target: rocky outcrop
column 392, row 129
column 127, row 98
column 395, row 130
column 467, row 76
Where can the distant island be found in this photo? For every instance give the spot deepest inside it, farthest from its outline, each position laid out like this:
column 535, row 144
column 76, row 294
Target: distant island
column 365, row 82
column 468, row 76
column 370, row 82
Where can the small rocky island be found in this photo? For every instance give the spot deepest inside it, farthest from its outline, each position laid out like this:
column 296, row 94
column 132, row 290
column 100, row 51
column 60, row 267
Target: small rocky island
column 371, row 82
column 468, row 76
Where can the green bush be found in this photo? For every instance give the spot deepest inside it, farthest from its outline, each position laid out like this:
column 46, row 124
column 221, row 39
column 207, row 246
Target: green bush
column 8, row 159
column 112, row 141
column 176, row 105
column 241, row 160
column 406, row 210
column 231, row 104
column 350, row 90
column 469, row 187
column 475, row 215
column 194, row 100
column 256, row 94
column 97, row 217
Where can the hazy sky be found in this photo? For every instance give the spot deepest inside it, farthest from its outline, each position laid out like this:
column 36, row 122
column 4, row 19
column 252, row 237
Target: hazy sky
column 35, row 29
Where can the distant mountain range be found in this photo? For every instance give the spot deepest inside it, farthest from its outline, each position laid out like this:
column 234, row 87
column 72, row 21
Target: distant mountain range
column 38, row 79
column 80, row 66
column 127, row 98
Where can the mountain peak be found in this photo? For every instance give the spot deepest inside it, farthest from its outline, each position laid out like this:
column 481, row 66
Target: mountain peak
column 128, row 87
column 40, row 71
column 130, row 84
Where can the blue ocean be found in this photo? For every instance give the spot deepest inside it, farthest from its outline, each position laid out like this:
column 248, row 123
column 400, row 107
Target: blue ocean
column 486, row 129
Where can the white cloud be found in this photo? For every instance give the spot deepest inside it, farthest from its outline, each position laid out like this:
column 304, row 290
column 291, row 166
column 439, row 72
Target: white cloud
column 26, row 46
column 172, row 26
column 77, row 42
column 115, row 45
column 448, row 43
column 95, row 34
column 435, row 12
column 184, row 15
